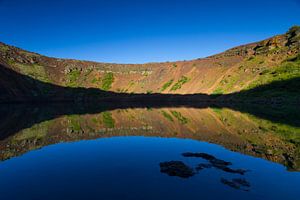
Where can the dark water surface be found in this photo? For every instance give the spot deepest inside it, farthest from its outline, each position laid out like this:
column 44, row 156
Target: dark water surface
column 147, row 153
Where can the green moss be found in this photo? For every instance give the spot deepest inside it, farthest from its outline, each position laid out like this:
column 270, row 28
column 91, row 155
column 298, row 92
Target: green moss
column 35, row 71
column 107, row 81
column 288, row 70
column 74, row 122
column 180, row 117
column 72, row 78
column 108, row 121
column 180, row 83
column 167, row 116
column 149, row 91
column 131, row 83
column 166, row 85
column 87, row 73
column 4, row 48
column 218, row 91
column 94, row 80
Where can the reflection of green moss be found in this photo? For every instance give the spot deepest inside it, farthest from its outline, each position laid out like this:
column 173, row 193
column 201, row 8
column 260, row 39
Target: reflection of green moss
column 167, row 116
column 217, row 110
column 37, row 131
column 180, row 117
column 180, row 83
column 108, row 121
column 94, row 119
column 287, row 132
column 94, row 80
column 74, row 122
column 166, row 85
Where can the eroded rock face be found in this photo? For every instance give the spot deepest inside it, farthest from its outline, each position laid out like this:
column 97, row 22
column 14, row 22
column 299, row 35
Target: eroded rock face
column 293, row 36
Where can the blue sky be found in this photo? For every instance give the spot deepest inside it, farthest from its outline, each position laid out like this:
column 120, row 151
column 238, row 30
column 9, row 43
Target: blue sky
column 139, row 31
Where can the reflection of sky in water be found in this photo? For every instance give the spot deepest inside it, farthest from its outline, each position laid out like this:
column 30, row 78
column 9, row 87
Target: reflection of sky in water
column 128, row 168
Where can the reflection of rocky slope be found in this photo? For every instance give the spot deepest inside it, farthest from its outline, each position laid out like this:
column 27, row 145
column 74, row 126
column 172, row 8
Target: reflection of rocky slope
column 233, row 130
column 243, row 67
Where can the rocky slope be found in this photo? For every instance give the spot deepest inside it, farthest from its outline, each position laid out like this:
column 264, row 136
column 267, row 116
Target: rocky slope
column 25, row 74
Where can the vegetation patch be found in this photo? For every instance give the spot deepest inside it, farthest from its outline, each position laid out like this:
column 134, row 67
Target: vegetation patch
column 180, row 117
column 74, row 122
column 283, row 80
column 218, row 91
column 108, row 121
column 34, row 71
column 149, row 91
column 166, row 85
column 73, row 77
column 167, row 116
column 180, row 83
column 107, row 81
column 4, row 48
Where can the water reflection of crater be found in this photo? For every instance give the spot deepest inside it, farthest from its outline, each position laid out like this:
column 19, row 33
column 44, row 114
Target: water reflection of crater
column 234, row 130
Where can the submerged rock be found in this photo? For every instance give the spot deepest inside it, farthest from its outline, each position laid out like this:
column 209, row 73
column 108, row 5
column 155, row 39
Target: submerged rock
column 203, row 166
column 237, row 183
column 199, row 155
column 176, row 168
column 208, row 157
column 229, row 170
column 214, row 162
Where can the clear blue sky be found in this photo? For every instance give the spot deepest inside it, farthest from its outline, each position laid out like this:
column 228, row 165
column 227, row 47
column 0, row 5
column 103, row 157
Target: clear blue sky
column 138, row 31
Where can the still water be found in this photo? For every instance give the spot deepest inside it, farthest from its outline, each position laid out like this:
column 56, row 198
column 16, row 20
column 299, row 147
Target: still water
column 147, row 153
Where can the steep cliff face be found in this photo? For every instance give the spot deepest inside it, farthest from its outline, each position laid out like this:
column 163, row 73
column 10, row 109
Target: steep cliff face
column 237, row 69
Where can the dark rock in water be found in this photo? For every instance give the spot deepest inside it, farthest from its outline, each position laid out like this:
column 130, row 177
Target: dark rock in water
column 229, row 170
column 241, row 181
column 199, row 155
column 208, row 157
column 219, row 162
column 203, row 166
column 214, row 162
column 237, row 183
column 176, row 168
